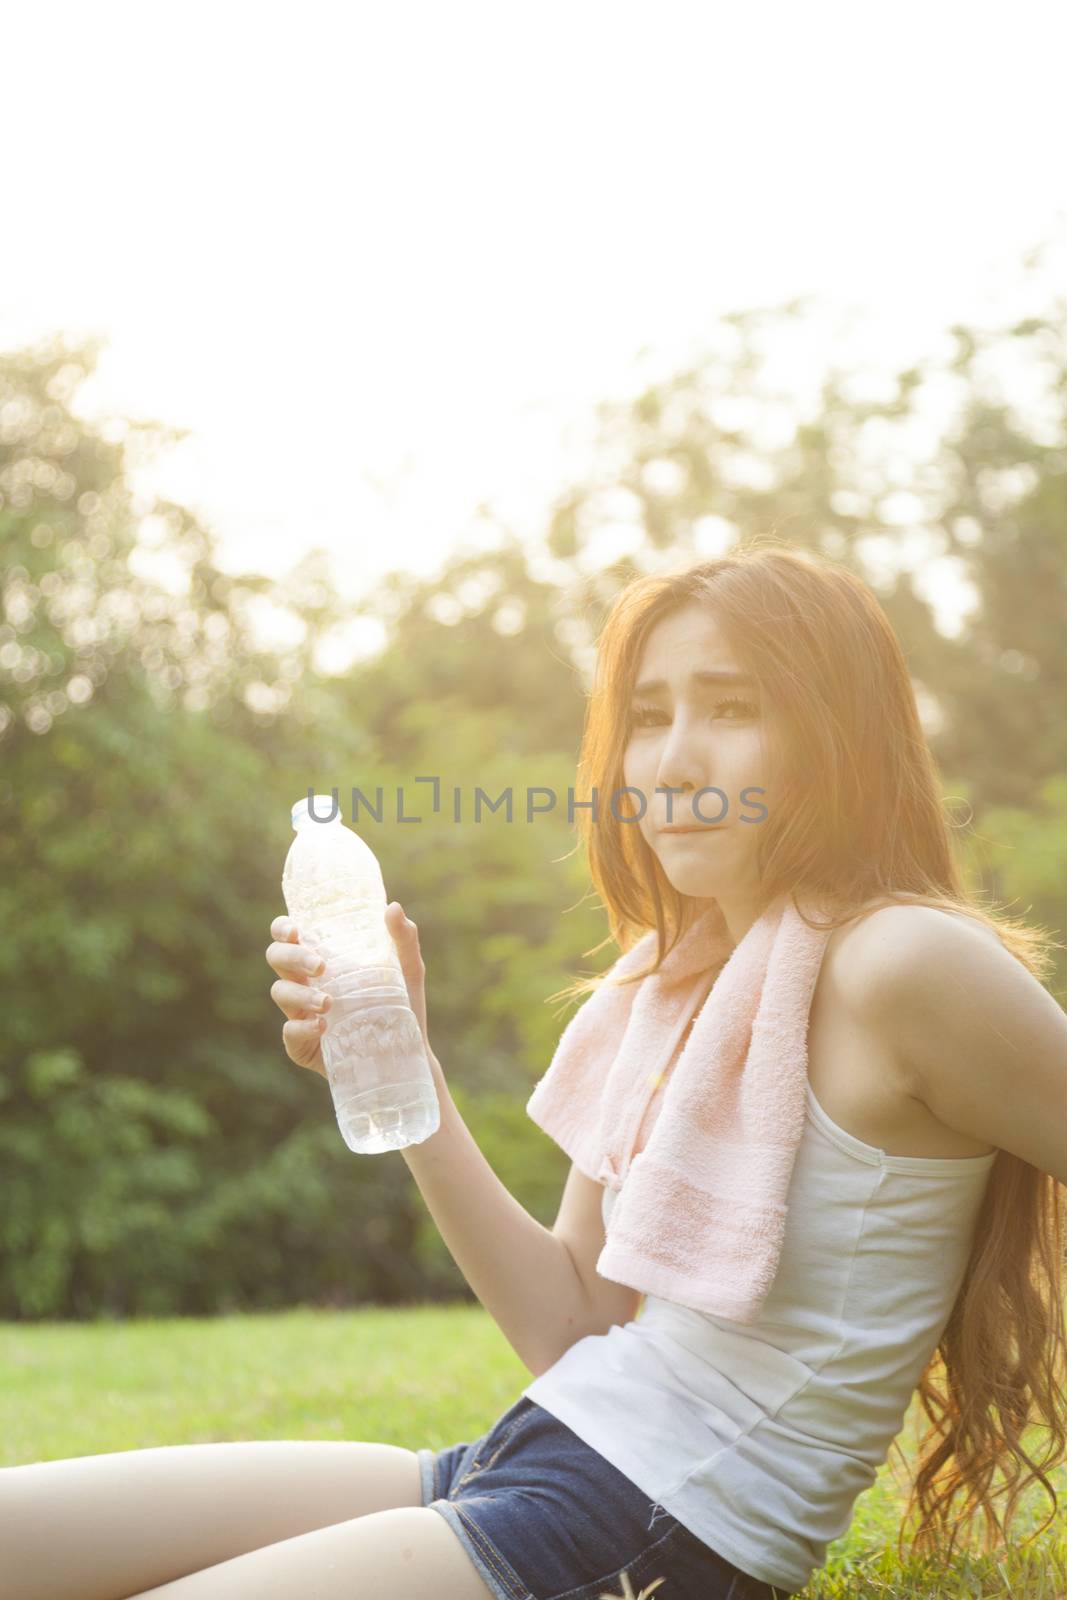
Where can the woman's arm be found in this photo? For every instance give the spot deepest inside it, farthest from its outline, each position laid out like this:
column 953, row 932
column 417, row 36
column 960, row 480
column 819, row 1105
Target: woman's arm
column 523, row 1274
column 983, row 1042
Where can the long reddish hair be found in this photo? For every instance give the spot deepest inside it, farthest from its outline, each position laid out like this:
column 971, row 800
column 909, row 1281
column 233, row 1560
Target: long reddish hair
column 859, row 823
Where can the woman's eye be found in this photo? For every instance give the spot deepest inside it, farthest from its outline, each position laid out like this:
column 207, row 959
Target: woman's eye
column 643, row 716
column 744, row 708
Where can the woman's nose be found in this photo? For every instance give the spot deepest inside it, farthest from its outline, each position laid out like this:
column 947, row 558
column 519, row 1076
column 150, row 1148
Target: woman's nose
column 681, row 765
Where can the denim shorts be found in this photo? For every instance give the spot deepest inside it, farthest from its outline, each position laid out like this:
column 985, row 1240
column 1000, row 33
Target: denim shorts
column 544, row 1516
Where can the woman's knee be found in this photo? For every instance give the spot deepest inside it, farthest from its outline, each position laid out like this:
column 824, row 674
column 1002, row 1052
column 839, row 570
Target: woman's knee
column 120, row 1523
column 381, row 1477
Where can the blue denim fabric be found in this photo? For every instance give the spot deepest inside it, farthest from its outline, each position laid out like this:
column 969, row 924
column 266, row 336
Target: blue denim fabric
column 545, row 1517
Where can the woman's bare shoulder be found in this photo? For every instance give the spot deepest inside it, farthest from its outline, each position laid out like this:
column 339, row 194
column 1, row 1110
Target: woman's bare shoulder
column 880, row 930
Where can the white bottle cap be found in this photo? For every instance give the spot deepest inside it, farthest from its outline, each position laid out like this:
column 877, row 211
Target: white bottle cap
column 324, row 810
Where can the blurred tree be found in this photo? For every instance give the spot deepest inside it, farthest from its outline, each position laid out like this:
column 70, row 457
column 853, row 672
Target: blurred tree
column 98, row 575
column 160, row 1152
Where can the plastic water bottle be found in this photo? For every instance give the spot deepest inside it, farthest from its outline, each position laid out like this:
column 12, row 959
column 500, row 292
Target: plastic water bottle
column 372, row 1048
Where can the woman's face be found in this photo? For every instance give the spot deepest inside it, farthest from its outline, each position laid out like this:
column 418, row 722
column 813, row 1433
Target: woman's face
column 693, row 734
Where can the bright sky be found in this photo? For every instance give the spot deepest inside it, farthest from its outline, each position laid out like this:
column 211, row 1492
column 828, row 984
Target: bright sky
column 384, row 260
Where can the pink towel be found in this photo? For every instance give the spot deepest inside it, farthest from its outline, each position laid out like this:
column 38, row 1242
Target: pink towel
column 701, row 1214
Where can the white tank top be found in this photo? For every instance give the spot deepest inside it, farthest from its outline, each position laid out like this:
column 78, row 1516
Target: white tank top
column 760, row 1436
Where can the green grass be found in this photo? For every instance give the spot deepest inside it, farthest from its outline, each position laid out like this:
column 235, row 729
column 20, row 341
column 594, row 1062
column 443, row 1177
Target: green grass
column 426, row 1376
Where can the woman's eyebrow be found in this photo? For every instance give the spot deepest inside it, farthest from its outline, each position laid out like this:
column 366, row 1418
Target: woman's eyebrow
column 737, row 680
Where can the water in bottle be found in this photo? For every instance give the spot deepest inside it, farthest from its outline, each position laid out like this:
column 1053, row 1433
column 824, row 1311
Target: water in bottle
column 372, row 1048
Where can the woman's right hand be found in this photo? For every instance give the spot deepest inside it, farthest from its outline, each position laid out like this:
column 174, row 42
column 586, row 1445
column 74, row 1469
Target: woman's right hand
column 295, row 994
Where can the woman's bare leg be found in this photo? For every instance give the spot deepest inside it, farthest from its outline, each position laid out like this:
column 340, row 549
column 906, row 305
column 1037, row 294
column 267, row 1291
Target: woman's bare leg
column 103, row 1527
column 404, row 1554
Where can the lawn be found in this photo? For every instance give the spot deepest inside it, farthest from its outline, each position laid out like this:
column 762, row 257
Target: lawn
column 423, row 1376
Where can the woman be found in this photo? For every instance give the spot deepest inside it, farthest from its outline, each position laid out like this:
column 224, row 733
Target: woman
column 924, row 1237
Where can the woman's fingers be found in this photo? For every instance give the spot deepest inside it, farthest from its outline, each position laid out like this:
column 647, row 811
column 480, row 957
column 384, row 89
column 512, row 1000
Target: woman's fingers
column 299, row 1000
column 295, row 994
column 289, row 958
column 303, row 1043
